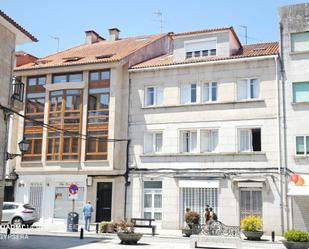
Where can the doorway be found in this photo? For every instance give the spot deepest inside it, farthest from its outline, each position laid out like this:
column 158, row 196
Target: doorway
column 104, row 201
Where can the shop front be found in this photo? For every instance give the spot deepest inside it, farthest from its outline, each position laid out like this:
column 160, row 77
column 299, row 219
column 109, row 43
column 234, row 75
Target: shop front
column 298, row 194
column 50, row 195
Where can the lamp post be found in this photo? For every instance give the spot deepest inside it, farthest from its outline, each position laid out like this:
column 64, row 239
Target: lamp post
column 23, row 147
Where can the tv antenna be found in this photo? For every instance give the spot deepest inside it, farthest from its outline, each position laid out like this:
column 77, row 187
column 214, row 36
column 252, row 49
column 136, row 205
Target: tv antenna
column 246, row 32
column 57, row 38
column 160, row 19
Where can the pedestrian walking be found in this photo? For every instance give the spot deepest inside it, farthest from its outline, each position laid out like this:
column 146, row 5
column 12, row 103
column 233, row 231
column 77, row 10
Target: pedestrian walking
column 87, row 210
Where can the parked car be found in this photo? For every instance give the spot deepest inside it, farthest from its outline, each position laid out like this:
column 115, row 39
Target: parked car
column 19, row 214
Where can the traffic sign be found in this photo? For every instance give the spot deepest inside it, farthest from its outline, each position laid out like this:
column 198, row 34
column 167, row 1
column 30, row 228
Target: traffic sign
column 73, row 192
column 73, row 189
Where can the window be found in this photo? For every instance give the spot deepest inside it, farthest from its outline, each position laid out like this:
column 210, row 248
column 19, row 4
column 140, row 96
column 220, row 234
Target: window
column 98, row 115
column 153, row 200
column 210, row 92
column 189, row 55
column 37, row 81
column 198, row 48
column 153, row 142
column 34, row 111
column 249, row 140
column 251, row 203
column 188, row 94
column 248, row 89
column 72, row 77
column 300, row 42
column 154, row 96
column 301, row 92
column 196, row 198
column 302, row 145
column 188, row 141
column 209, row 140
column 65, row 112
column 100, row 75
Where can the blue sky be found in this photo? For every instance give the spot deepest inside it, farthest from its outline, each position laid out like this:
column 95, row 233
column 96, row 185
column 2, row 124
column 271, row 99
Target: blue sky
column 68, row 19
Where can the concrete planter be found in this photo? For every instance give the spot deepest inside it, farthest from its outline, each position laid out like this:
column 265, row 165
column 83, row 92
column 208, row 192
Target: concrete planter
column 129, row 238
column 295, row 245
column 189, row 231
column 253, row 235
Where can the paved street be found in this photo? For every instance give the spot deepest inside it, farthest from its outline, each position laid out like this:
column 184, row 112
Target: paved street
column 111, row 241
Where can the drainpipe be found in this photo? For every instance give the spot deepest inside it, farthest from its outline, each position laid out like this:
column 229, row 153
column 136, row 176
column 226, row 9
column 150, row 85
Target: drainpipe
column 127, row 183
column 279, row 146
column 282, row 71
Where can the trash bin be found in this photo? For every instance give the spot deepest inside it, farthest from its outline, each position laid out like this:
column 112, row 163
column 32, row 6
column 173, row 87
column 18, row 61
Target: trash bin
column 72, row 223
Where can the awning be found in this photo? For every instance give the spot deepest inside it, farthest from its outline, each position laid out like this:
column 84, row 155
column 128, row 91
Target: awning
column 298, row 191
column 249, row 182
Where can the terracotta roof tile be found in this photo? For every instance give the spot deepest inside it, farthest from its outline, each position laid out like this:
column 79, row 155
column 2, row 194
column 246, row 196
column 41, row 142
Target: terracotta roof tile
column 100, row 52
column 202, row 31
column 16, row 25
column 252, row 50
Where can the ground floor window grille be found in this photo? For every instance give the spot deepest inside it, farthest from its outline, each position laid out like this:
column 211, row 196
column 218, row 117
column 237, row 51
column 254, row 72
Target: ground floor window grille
column 196, row 199
column 251, row 203
column 35, row 197
column 153, row 200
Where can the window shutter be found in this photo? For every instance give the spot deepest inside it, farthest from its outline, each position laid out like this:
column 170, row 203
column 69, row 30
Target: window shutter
column 205, row 141
column 193, row 141
column 148, row 147
column 158, row 142
column 244, row 140
column 206, row 92
column 254, row 88
column 214, row 91
column 215, row 139
column 160, row 96
column 242, row 89
column 185, row 94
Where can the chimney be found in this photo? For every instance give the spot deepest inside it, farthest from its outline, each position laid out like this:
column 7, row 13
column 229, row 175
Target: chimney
column 113, row 34
column 93, row 37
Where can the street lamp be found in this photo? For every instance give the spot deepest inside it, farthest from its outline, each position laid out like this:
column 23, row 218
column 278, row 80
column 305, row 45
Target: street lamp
column 23, row 147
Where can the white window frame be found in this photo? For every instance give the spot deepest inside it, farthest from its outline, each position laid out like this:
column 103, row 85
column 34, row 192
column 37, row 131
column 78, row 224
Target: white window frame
column 248, row 89
column 212, row 131
column 153, row 134
column 156, row 99
column 181, row 141
column 182, row 86
column 153, row 192
column 250, row 138
column 305, row 146
column 210, row 86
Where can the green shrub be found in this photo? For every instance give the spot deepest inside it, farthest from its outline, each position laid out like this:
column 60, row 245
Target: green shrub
column 296, row 236
column 251, row 223
column 192, row 217
column 103, row 226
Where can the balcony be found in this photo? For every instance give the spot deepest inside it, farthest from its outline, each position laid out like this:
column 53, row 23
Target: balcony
column 17, row 97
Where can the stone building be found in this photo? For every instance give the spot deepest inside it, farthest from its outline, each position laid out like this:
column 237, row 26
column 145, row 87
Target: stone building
column 81, row 96
column 203, row 124
column 11, row 34
column 294, row 29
